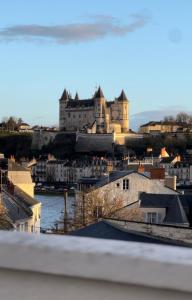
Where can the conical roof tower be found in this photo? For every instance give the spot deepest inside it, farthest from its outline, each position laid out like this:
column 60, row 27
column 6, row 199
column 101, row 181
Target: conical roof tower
column 99, row 93
column 122, row 96
column 76, row 96
column 65, row 95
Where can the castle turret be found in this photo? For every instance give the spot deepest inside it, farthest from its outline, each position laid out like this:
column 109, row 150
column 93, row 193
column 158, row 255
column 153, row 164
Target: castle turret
column 62, row 105
column 76, row 96
column 123, row 107
column 65, row 96
column 100, row 110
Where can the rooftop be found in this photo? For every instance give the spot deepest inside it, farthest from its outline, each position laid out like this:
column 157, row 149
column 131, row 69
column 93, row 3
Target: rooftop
column 106, row 230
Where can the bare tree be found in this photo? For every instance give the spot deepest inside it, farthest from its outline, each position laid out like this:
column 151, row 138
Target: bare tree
column 183, row 117
column 169, row 119
column 130, row 213
column 95, row 204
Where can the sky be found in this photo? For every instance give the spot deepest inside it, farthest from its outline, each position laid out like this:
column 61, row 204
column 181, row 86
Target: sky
column 141, row 46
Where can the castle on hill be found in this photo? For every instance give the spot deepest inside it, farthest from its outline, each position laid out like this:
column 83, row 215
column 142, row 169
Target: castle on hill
column 94, row 115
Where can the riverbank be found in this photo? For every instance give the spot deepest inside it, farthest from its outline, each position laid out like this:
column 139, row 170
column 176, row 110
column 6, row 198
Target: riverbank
column 54, row 192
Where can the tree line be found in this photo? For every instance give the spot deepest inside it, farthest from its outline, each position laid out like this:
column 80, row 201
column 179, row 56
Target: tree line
column 181, row 117
column 11, row 123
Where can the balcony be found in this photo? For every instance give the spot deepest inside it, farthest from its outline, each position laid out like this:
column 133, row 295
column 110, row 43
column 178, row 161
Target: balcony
column 57, row 267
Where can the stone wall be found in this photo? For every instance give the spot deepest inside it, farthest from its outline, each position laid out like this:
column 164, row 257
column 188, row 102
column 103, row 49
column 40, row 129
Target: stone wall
column 94, row 142
column 42, row 138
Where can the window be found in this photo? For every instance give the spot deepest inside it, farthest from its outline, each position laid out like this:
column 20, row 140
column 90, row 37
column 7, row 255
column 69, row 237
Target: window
column 152, row 217
column 118, row 184
column 125, row 184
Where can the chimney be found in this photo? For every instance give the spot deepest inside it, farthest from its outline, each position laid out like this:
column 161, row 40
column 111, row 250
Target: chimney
column 141, row 169
column 157, row 173
column 171, row 182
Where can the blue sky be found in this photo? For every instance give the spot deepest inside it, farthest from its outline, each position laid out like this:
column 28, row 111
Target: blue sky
column 142, row 46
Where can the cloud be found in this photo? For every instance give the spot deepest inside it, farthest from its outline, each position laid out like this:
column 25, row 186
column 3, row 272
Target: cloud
column 155, row 115
column 100, row 27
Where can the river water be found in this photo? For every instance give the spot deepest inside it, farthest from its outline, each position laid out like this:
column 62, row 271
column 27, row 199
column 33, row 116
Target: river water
column 52, row 207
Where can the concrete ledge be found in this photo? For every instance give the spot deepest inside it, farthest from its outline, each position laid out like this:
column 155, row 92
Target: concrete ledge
column 113, row 261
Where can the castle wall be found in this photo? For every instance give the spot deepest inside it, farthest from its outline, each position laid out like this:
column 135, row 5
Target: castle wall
column 124, row 138
column 94, row 142
column 76, row 119
column 42, row 138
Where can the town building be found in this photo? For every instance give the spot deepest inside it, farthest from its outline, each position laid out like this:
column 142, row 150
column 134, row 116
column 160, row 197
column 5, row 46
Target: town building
column 165, row 209
column 125, row 185
column 24, row 127
column 158, row 127
column 183, row 172
column 17, row 198
column 94, row 115
column 175, row 166
column 50, row 170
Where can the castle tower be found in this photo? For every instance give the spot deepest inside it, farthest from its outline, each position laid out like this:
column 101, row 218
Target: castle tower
column 62, row 105
column 76, row 96
column 100, row 110
column 123, row 107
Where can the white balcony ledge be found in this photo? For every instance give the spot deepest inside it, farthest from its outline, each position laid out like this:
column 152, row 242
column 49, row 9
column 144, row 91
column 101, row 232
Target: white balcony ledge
column 106, row 262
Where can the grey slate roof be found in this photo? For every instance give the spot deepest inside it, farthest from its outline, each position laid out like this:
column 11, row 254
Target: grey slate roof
column 16, row 210
column 122, row 97
column 80, row 103
column 177, row 206
column 105, row 230
column 99, row 93
column 176, row 213
column 65, row 95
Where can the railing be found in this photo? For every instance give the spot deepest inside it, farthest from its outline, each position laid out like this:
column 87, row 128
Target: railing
column 58, row 267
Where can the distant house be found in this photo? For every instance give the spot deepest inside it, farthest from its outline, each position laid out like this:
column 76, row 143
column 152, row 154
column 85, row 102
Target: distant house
column 71, row 171
column 183, row 172
column 175, row 167
column 157, row 127
column 18, row 198
column 24, row 127
column 22, row 211
column 167, row 209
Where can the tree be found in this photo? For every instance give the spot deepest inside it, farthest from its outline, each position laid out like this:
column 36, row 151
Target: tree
column 183, row 117
column 93, row 205
column 169, row 119
column 130, row 213
column 10, row 123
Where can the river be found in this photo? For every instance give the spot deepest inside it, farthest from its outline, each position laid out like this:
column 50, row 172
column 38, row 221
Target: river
column 52, row 207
